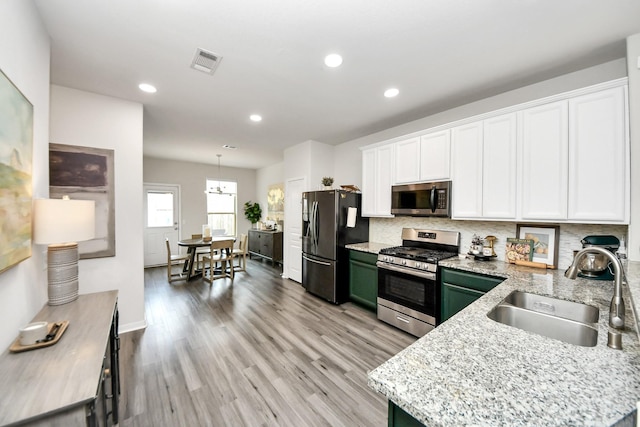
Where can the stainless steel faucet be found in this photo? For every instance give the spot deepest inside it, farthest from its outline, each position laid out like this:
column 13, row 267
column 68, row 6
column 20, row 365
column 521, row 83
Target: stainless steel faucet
column 616, row 310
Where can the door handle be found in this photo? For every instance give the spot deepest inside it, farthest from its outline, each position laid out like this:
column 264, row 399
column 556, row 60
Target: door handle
column 432, row 199
column 316, row 262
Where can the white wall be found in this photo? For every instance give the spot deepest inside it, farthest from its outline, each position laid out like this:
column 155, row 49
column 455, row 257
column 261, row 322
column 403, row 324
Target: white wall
column 633, row 69
column 24, row 58
column 192, row 178
column 348, row 164
column 311, row 159
column 91, row 120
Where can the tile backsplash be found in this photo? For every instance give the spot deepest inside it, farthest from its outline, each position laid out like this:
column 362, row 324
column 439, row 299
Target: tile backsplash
column 389, row 230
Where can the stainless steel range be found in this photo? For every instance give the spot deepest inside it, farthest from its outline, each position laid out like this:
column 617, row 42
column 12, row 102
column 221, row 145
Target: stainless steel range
column 408, row 279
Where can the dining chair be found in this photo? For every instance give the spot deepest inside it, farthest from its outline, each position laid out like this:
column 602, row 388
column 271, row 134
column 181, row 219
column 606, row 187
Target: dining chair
column 241, row 253
column 200, row 252
column 174, row 260
column 221, row 251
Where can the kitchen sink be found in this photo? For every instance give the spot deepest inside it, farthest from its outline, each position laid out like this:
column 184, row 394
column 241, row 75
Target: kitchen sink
column 567, row 321
column 555, row 307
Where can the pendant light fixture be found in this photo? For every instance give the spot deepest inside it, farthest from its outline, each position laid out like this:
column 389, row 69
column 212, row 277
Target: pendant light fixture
column 219, row 189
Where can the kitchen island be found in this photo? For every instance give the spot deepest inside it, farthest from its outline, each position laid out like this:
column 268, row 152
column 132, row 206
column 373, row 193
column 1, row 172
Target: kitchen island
column 472, row 370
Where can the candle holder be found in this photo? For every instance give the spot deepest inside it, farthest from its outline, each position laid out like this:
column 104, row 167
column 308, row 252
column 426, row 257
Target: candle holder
column 206, row 233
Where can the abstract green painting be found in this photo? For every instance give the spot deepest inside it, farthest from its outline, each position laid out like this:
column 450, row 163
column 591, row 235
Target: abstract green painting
column 16, row 145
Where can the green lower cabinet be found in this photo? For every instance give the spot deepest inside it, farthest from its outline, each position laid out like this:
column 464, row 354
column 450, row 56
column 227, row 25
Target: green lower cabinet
column 363, row 279
column 399, row 418
column 461, row 288
column 455, row 298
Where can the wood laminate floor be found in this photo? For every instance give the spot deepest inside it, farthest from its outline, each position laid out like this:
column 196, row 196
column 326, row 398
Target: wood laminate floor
column 256, row 352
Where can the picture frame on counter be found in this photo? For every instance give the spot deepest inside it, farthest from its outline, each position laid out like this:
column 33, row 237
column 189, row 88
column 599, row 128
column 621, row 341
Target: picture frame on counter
column 545, row 242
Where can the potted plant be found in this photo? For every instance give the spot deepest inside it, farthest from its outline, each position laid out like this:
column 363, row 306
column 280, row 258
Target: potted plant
column 252, row 212
column 327, row 182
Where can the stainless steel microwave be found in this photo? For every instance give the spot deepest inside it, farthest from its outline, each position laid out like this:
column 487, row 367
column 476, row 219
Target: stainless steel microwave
column 423, row 199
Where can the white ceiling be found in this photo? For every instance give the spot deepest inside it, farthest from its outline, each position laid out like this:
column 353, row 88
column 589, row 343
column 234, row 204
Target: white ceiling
column 439, row 53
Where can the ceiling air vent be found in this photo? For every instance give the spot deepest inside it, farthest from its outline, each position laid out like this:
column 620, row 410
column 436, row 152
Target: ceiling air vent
column 206, row 61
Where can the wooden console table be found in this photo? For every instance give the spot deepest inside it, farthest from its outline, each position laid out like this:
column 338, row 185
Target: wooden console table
column 266, row 244
column 74, row 382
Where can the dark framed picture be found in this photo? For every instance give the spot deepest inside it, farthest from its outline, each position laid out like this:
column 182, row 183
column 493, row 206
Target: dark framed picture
column 87, row 173
column 545, row 242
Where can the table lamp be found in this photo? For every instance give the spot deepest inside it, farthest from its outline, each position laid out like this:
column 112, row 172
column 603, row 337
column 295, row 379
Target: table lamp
column 61, row 223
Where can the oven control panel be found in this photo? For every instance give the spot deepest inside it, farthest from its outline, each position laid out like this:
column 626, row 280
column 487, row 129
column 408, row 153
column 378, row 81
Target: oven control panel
column 427, row 235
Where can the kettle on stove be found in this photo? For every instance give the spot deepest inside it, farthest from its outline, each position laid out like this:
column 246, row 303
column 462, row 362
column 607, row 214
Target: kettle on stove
column 596, row 266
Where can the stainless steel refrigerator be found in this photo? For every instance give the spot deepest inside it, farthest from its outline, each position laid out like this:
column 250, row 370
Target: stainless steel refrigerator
column 331, row 219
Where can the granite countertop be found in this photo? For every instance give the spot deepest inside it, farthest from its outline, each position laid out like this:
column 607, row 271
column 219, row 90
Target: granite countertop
column 472, row 370
column 371, row 247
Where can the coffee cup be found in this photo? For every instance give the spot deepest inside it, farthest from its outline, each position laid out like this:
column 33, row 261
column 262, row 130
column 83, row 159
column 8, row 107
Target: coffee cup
column 33, row 332
column 487, row 251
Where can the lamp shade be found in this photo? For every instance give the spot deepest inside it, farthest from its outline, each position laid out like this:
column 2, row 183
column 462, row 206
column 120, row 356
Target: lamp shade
column 63, row 221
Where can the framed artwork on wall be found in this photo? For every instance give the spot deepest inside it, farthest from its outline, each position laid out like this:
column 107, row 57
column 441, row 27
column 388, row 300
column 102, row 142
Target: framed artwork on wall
column 86, row 173
column 545, row 242
column 16, row 148
column 275, row 202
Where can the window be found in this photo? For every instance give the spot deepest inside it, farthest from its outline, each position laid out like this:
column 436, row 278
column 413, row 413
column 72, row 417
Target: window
column 159, row 209
column 222, row 207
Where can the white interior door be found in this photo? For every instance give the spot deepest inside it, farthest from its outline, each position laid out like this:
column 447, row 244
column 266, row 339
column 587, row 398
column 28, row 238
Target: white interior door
column 161, row 220
column 293, row 228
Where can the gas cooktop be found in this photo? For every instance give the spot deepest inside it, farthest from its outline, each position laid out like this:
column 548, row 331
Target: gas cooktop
column 418, row 254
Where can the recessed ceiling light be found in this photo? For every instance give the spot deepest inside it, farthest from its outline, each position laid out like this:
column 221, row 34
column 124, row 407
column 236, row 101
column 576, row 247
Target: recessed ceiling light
column 333, row 60
column 391, row 93
column 229, row 147
column 255, row 118
column 146, row 87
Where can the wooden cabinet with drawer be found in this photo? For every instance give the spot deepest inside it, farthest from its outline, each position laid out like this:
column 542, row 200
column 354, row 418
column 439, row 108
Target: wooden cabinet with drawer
column 74, row 382
column 266, row 244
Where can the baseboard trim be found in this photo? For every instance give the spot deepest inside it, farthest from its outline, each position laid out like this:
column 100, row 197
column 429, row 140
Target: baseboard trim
column 134, row 326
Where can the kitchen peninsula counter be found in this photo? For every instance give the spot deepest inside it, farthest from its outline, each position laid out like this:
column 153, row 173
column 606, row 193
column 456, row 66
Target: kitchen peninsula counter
column 472, row 370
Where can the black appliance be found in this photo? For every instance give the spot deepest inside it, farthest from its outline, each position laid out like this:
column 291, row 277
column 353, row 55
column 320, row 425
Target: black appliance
column 330, row 220
column 424, row 199
column 595, row 266
column 408, row 279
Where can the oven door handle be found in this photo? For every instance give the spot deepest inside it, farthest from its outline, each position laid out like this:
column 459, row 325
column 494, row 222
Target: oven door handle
column 423, row 274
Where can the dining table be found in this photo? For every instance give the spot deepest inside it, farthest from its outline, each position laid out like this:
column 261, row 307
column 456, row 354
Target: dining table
column 190, row 267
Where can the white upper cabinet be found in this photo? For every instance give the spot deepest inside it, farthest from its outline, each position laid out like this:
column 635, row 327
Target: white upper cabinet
column 484, row 169
column 369, row 182
column 597, row 157
column 407, row 161
column 499, row 169
column 423, row 158
column 544, row 173
column 565, row 158
column 377, row 174
column 466, row 171
column 435, row 149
